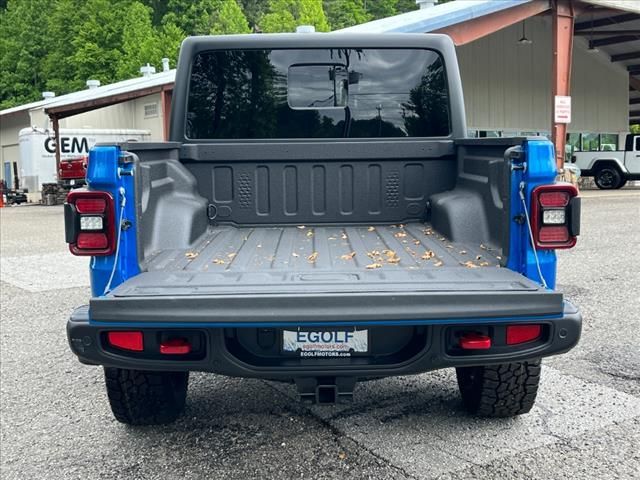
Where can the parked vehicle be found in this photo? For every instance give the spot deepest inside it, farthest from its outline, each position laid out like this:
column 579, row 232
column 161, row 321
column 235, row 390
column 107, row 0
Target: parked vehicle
column 611, row 169
column 73, row 171
column 319, row 217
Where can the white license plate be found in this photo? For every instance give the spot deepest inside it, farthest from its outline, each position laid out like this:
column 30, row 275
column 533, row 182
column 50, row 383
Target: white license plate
column 325, row 343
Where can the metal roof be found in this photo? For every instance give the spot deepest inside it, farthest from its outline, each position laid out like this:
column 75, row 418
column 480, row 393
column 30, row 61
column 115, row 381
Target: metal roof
column 103, row 92
column 436, row 17
column 611, row 27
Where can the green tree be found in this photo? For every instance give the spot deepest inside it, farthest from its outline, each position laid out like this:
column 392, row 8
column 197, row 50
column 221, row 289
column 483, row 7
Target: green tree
column 230, row 19
column 98, row 42
column 140, row 41
column 23, row 45
column 286, row 15
column 254, row 10
column 204, row 17
column 383, row 8
column 63, row 22
column 345, row 13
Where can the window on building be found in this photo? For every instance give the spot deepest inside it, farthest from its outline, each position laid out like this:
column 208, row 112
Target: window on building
column 608, row 142
column 151, row 110
column 590, row 142
column 489, row 134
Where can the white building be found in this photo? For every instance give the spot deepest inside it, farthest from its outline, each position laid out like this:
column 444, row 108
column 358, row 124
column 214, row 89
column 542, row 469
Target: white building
column 141, row 103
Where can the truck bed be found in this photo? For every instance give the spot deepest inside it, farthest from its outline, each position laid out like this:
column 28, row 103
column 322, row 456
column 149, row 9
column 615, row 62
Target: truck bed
column 326, row 273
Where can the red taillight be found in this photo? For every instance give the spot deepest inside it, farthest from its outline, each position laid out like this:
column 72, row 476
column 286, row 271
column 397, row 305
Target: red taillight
column 175, row 346
column 523, row 333
column 131, row 341
column 555, row 216
column 92, row 241
column 475, row 341
column 553, row 234
column 91, row 205
column 90, row 222
column 554, row 199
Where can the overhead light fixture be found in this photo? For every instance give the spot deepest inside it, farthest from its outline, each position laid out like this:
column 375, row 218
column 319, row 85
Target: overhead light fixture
column 524, row 40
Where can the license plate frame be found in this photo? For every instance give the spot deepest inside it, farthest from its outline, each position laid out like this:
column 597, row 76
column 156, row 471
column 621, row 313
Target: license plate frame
column 325, row 343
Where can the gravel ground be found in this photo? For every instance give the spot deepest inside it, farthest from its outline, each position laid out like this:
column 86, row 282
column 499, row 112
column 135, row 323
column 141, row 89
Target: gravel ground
column 56, row 423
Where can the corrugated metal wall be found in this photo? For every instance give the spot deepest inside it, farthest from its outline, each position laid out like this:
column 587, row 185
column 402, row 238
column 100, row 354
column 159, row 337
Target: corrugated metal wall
column 507, row 86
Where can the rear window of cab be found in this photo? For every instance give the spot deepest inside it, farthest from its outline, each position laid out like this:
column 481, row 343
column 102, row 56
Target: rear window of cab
column 317, row 93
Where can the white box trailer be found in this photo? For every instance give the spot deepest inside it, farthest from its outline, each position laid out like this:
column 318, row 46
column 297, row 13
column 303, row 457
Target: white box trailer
column 38, row 151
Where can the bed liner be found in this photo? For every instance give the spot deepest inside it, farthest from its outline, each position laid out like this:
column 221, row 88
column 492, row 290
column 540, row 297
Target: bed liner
column 324, row 273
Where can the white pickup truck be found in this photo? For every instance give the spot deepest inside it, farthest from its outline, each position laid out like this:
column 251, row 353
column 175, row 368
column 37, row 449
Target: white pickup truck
column 611, row 169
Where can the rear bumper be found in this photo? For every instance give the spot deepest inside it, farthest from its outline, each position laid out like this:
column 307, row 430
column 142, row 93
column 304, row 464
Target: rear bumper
column 403, row 349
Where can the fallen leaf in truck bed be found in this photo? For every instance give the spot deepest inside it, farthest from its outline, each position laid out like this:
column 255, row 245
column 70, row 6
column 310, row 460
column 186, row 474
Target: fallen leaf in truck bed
column 219, row 261
column 373, row 254
column 371, row 266
column 442, row 239
column 191, row 255
column 332, row 238
column 392, row 257
column 484, row 264
column 470, row 264
column 309, row 233
column 483, row 246
column 301, row 227
column 478, row 257
column 231, row 255
column 449, row 246
column 313, row 257
column 463, row 252
column 294, row 254
column 416, row 242
column 371, row 229
column 439, row 263
column 344, row 236
column 400, row 234
column 428, row 231
column 348, row 256
column 428, row 255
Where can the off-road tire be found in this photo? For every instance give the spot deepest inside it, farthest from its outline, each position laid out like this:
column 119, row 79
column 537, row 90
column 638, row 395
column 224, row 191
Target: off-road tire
column 503, row 390
column 146, row 398
column 608, row 178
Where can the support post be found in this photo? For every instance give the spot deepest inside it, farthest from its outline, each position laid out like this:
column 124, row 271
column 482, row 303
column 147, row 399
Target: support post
column 563, row 23
column 56, row 132
column 165, row 97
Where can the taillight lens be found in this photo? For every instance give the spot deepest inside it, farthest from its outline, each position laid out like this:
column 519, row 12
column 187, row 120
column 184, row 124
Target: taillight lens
column 517, row 334
column 90, row 224
column 132, row 341
column 555, row 216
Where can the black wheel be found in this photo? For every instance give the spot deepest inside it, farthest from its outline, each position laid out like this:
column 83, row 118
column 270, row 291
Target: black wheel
column 608, row 178
column 503, row 390
column 146, row 398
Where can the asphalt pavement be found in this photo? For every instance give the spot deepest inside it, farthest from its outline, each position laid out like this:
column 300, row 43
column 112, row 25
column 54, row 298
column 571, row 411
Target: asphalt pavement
column 56, row 422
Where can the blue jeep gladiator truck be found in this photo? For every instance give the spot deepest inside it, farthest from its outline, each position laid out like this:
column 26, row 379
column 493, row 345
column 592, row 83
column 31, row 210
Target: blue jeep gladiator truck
column 318, row 217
